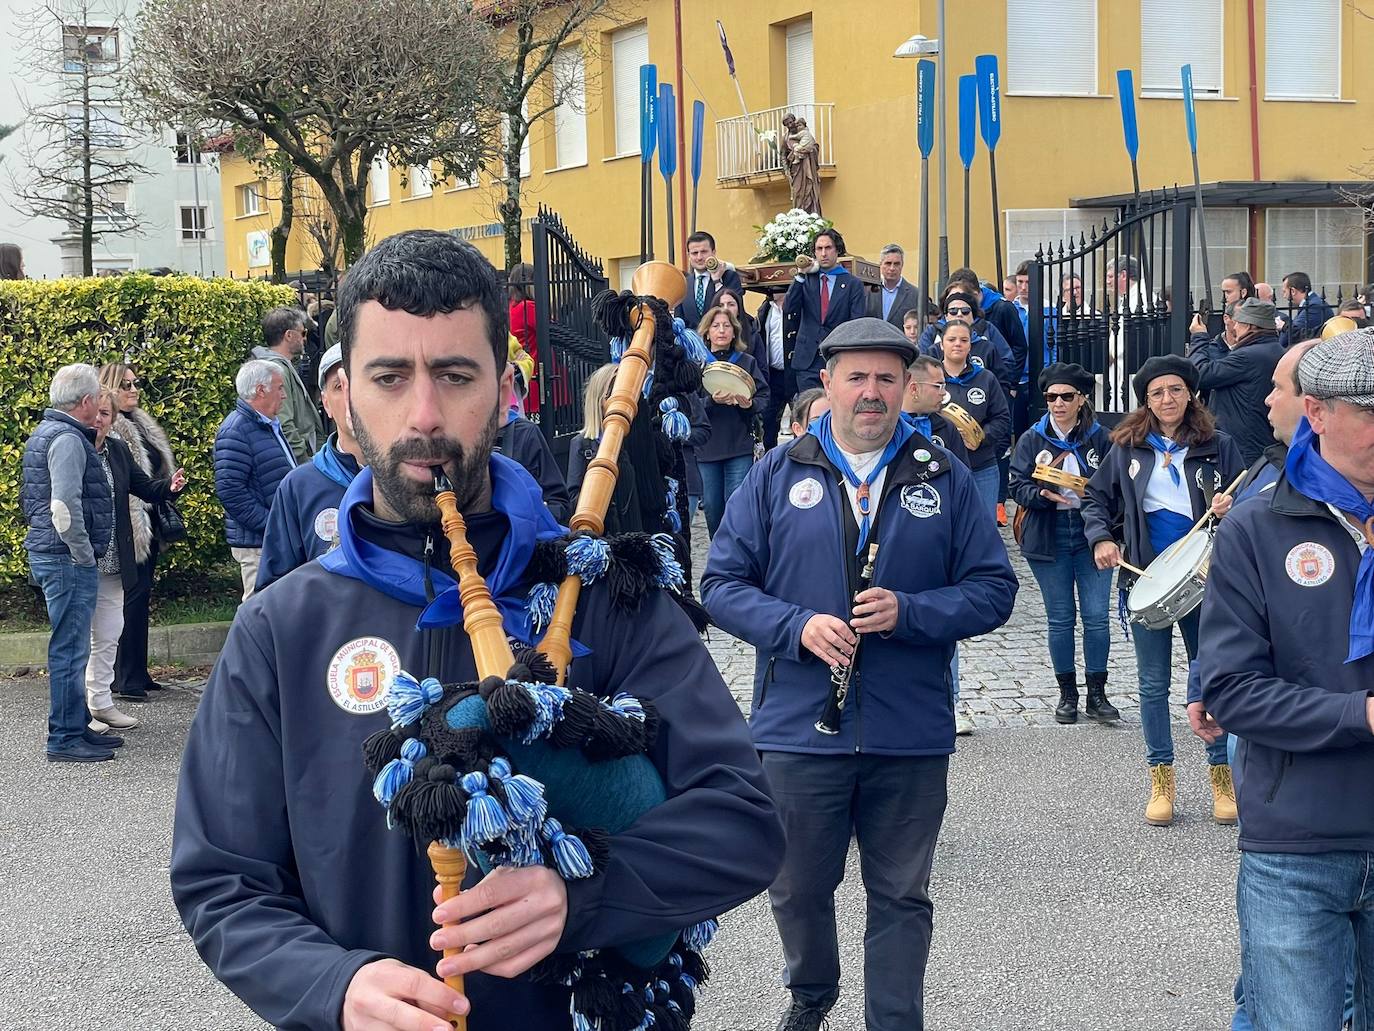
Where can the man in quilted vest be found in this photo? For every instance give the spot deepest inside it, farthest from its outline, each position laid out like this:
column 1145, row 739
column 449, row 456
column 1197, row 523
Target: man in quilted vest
column 70, row 515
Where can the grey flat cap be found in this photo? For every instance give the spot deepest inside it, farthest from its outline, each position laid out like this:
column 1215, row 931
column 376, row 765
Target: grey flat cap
column 1341, row 368
column 1254, row 312
column 330, row 360
column 868, row 334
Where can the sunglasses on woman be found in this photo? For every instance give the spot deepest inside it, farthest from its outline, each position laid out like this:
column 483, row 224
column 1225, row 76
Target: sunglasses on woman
column 959, row 311
column 1051, row 396
column 128, row 384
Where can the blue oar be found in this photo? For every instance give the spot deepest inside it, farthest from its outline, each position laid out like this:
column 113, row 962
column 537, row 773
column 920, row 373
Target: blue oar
column 968, row 142
column 667, row 154
column 925, row 139
column 990, row 122
column 1190, row 116
column 648, row 136
column 698, row 126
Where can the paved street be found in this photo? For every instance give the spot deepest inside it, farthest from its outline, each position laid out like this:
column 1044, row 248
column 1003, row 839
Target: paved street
column 1056, row 907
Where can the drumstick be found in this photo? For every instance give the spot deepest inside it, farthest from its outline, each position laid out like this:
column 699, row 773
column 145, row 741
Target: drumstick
column 1133, row 569
column 1208, row 514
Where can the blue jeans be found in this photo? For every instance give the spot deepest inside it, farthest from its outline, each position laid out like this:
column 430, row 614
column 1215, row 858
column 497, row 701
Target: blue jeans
column 986, row 480
column 1072, row 566
column 1153, row 659
column 69, row 591
column 1301, row 918
column 718, row 481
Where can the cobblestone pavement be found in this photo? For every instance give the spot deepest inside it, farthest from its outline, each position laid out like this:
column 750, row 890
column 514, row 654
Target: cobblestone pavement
column 1005, row 677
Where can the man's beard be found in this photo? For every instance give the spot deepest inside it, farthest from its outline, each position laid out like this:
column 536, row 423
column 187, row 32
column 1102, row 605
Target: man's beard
column 411, row 500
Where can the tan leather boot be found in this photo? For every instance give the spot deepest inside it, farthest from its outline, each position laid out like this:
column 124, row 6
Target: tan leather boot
column 1223, row 795
column 1159, row 811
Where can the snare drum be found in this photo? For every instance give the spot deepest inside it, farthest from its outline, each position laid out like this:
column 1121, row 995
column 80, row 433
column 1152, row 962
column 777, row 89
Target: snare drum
column 966, row 424
column 1057, row 477
column 1175, row 583
column 728, row 378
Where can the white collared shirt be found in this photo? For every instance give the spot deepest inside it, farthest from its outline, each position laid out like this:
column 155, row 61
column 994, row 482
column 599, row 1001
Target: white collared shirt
column 773, row 331
column 1161, row 492
column 861, row 463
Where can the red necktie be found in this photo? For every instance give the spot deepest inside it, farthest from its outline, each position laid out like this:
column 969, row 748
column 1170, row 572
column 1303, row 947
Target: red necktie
column 825, row 295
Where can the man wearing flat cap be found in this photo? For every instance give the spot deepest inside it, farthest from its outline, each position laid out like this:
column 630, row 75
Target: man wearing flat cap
column 784, row 573
column 1289, row 668
column 1238, row 376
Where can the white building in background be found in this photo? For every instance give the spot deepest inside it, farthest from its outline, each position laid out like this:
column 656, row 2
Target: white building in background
column 177, row 203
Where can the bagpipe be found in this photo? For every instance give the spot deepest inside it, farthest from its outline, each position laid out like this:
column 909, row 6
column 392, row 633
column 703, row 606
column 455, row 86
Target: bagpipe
column 517, row 768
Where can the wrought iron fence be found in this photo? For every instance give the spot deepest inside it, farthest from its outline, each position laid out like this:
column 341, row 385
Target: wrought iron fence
column 571, row 344
column 750, row 145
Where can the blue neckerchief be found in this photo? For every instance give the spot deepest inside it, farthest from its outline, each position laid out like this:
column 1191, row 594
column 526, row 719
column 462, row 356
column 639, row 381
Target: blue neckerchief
column 1168, row 449
column 1075, row 440
column 900, row 435
column 514, row 494
column 732, row 357
column 834, row 270
column 919, row 423
column 333, row 463
column 966, row 377
column 512, row 413
column 1312, row 476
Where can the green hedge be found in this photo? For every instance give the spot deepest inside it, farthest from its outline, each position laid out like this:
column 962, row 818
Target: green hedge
column 186, row 338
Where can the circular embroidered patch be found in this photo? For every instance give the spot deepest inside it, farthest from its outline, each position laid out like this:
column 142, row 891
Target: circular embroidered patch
column 360, row 674
column 976, row 396
column 1309, row 564
column 1044, row 458
column 327, row 525
column 806, row 493
column 1133, row 468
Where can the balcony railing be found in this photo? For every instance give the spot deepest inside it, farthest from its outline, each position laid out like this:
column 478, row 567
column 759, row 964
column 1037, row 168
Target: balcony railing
column 749, row 147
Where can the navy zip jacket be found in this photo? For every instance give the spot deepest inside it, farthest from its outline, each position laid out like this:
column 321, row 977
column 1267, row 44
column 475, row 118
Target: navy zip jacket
column 983, row 398
column 305, row 512
column 1001, row 313
column 1113, row 509
column 1038, row 530
column 283, row 868
column 1276, row 620
column 988, row 349
column 785, row 551
column 731, row 433
column 1239, row 380
column 523, row 442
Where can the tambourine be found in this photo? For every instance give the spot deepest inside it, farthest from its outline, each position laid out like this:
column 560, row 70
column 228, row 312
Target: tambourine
column 728, row 378
column 966, row 424
column 1057, row 477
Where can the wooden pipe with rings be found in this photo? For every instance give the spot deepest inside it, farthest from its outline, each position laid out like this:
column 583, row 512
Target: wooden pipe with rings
column 652, row 279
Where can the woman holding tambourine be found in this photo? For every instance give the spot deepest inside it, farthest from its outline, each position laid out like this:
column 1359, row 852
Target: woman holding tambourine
column 977, row 407
column 734, row 393
column 1049, row 476
column 1167, row 469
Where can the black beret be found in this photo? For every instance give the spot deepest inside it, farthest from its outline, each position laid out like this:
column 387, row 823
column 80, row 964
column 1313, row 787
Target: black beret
column 868, row 334
column 1067, row 372
column 1165, row 365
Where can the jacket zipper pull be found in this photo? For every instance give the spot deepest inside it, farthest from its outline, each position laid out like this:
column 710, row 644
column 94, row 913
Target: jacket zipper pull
column 429, row 560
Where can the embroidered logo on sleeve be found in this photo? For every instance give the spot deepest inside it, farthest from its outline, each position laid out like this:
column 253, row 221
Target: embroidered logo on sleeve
column 327, row 525
column 921, row 500
column 806, row 493
column 1309, row 564
column 360, row 674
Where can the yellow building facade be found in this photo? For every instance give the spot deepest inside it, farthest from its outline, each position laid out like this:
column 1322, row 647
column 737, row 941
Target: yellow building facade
column 1299, row 117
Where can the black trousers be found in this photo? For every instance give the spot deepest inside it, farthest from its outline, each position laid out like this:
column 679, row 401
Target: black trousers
column 131, row 664
column 777, row 401
column 894, row 806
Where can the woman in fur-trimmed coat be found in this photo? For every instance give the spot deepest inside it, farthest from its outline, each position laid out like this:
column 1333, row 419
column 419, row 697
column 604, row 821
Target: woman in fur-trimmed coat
column 152, row 453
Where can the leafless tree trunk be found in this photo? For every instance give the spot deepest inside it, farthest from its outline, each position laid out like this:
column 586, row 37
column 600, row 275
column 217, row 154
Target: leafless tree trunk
column 76, row 164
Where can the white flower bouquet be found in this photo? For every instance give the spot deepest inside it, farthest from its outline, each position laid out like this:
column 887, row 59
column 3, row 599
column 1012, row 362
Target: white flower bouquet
column 789, row 234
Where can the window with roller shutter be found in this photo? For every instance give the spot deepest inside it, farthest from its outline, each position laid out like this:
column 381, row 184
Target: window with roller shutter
column 1052, row 47
column 629, row 50
column 1178, row 32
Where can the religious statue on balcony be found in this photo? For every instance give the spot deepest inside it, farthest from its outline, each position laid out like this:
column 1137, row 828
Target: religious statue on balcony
column 802, row 155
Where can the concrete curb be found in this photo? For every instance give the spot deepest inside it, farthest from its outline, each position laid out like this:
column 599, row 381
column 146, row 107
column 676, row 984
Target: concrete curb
column 187, row 644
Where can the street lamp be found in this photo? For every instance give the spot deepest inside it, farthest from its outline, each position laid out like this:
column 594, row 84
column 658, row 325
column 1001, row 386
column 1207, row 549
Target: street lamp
column 919, row 46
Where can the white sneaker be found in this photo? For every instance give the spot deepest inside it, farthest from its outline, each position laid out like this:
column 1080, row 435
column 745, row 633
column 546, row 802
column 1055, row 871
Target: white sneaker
column 113, row 718
column 963, row 725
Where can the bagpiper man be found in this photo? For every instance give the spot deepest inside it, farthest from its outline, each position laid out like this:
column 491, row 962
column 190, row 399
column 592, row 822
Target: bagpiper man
column 782, row 574
column 295, row 891
column 1289, row 669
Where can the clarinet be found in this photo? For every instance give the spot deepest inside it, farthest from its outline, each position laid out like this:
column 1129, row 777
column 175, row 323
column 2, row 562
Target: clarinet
column 829, row 723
